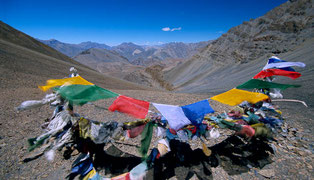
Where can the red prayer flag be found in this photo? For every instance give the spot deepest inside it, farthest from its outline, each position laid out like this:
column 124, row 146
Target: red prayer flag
column 134, row 132
column 125, row 176
column 279, row 72
column 246, row 131
column 133, row 107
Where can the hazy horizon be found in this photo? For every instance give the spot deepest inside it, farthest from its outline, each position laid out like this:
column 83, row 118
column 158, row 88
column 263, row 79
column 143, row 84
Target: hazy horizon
column 160, row 44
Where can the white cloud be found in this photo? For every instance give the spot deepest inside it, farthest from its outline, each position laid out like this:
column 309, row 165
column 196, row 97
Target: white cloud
column 220, row 32
column 176, row 29
column 166, row 29
column 173, row 29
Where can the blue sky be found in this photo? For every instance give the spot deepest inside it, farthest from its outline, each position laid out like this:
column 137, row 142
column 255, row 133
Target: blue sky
column 139, row 21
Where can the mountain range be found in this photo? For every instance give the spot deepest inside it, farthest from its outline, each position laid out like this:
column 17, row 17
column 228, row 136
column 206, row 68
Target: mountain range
column 147, row 55
column 128, row 60
column 136, row 54
column 73, row 49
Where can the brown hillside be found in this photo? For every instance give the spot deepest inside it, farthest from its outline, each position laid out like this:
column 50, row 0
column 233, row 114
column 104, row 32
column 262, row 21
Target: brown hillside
column 281, row 30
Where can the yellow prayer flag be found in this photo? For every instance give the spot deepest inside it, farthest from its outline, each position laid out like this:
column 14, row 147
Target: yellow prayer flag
column 236, row 96
column 206, row 151
column 66, row 81
column 162, row 149
column 257, row 125
column 90, row 175
column 84, row 128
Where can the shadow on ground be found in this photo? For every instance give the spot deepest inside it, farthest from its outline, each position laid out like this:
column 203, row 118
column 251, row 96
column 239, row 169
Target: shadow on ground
column 235, row 155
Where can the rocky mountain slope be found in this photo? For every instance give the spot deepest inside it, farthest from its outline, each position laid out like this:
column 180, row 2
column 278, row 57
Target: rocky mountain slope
column 129, row 50
column 245, row 48
column 101, row 59
column 9, row 34
column 73, row 49
column 111, row 63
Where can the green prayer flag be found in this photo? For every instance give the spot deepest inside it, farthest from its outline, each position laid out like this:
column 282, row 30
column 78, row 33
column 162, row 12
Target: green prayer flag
column 260, row 84
column 34, row 143
column 146, row 136
column 81, row 94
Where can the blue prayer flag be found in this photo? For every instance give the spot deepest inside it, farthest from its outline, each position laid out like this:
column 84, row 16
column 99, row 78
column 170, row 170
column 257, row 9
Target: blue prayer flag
column 275, row 60
column 195, row 112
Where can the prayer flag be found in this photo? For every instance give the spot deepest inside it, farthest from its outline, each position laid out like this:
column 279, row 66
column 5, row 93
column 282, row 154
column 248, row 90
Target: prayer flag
column 134, row 132
column 125, row 176
column 66, row 81
column 174, row 115
column 146, row 138
column 247, row 131
column 98, row 132
column 236, row 96
column 197, row 111
column 178, row 117
column 260, row 84
column 139, row 171
column 206, row 151
column 133, row 107
column 275, row 59
column 83, row 165
column 81, row 94
column 275, row 62
column 283, row 65
column 133, row 124
column 279, row 72
column 92, row 175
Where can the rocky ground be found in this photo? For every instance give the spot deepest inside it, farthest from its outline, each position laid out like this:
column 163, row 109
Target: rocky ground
column 293, row 157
